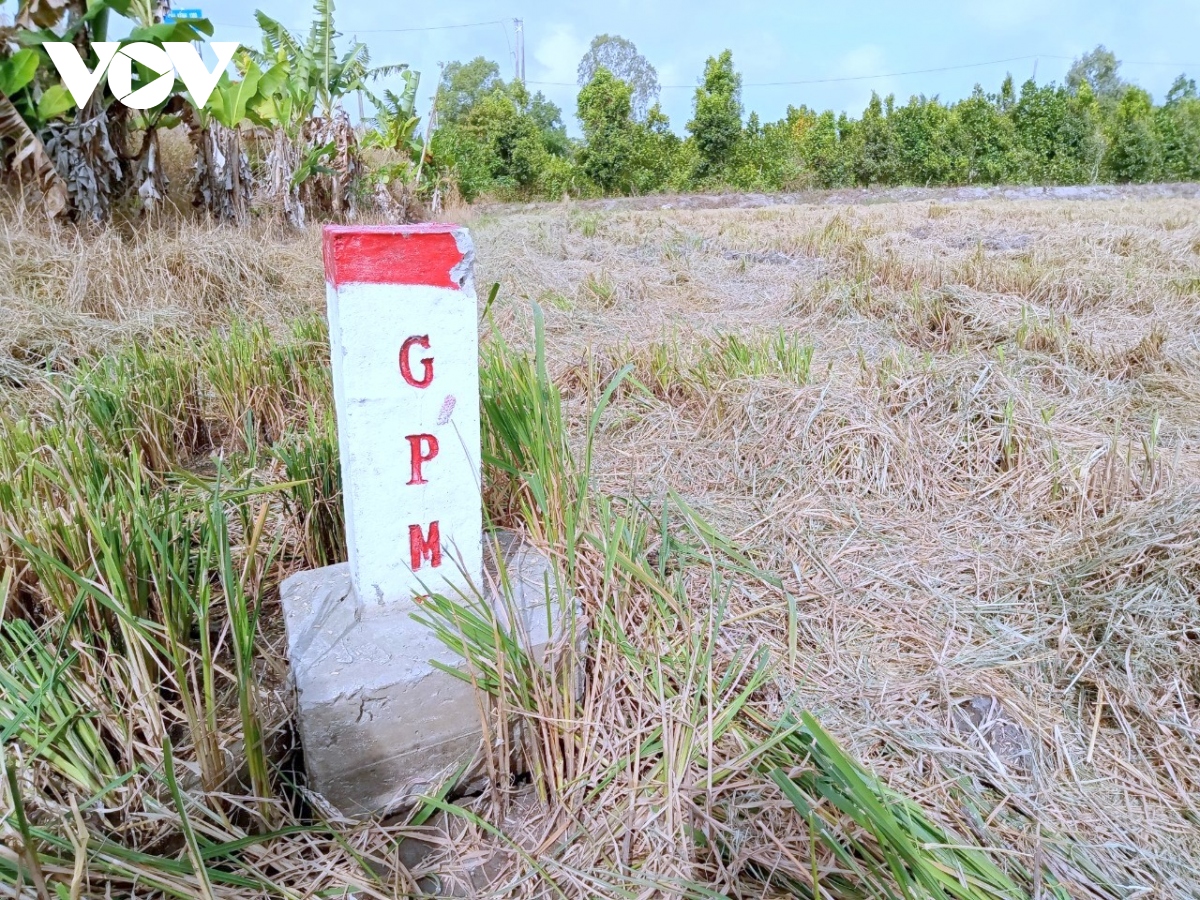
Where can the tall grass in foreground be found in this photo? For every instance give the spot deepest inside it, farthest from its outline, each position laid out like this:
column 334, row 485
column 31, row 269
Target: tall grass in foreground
column 142, row 536
column 684, row 769
column 146, row 519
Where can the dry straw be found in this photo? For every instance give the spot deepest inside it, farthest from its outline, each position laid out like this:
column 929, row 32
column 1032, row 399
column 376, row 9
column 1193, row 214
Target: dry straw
column 886, row 543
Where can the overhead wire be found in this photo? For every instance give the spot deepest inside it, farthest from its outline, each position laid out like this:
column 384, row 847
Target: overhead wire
column 503, row 23
column 842, row 78
column 392, row 30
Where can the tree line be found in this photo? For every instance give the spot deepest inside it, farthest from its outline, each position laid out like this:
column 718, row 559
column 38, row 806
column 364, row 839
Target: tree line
column 275, row 139
column 497, row 138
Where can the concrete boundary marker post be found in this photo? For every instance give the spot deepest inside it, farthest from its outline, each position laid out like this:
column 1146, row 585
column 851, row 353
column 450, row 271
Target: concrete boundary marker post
column 379, row 723
column 404, row 350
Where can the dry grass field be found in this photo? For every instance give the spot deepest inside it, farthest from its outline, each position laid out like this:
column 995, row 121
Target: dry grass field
column 929, row 470
column 967, row 436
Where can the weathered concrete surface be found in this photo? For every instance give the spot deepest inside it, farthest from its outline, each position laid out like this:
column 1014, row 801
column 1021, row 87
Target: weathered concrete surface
column 380, row 724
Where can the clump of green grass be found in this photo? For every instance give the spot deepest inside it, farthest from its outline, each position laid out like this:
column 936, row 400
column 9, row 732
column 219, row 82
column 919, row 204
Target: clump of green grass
column 599, row 290
column 730, row 357
column 586, row 223
column 314, row 495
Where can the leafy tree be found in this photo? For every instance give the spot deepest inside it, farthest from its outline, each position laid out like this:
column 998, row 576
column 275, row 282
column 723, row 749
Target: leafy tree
column 1058, row 137
column 463, row 85
column 396, row 119
column 1178, row 131
column 1134, row 153
column 549, row 120
column 716, row 123
column 502, row 141
column 605, row 112
column 462, row 160
column 820, row 147
column 620, row 56
column 317, row 77
column 661, row 160
column 1181, row 90
column 1008, row 95
column 766, row 158
column 875, row 165
column 1098, row 70
column 81, row 159
column 922, row 143
column 511, row 136
column 983, row 136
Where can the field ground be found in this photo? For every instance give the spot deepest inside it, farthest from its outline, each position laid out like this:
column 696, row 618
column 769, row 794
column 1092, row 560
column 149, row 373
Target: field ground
column 957, row 442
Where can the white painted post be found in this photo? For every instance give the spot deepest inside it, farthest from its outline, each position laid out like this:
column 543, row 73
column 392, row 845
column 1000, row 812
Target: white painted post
column 403, row 332
column 380, row 719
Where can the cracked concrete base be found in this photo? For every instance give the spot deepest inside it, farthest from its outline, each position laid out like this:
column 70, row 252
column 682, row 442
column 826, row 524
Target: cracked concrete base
column 380, row 724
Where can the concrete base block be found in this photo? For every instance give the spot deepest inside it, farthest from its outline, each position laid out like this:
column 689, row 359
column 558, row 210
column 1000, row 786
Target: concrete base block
column 380, row 724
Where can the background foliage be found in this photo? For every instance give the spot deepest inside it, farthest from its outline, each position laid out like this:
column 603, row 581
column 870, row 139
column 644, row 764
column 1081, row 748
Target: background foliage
column 276, row 139
column 1096, row 127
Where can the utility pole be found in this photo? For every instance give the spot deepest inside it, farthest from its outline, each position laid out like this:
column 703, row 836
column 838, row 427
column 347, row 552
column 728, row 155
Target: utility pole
column 1035, row 62
column 519, row 25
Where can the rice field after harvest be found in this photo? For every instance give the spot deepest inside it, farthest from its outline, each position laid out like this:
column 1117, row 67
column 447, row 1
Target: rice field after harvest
column 884, row 519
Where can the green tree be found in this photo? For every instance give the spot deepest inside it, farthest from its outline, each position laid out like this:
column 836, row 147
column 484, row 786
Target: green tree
column 923, row 150
column 766, row 158
column 983, row 136
column 1178, row 131
column 549, row 119
column 1098, row 70
column 496, row 136
column 605, row 112
column 512, row 137
column 1134, row 153
column 874, row 163
column 819, row 145
column 620, row 56
column 716, row 123
column 1008, row 95
column 463, row 85
column 1058, row 136
column 661, row 160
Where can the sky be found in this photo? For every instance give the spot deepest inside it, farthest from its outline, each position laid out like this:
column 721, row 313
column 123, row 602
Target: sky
column 845, row 50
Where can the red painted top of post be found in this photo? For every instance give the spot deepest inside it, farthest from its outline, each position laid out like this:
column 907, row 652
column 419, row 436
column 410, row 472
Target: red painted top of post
column 391, row 254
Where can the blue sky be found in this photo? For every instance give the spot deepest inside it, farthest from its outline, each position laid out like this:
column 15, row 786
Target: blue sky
column 771, row 42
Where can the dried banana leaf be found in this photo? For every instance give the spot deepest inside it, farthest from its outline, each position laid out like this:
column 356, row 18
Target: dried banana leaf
column 28, row 147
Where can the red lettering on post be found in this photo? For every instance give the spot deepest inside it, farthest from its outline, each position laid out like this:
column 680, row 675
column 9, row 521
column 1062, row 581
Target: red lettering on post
column 422, row 547
column 426, row 379
column 419, row 456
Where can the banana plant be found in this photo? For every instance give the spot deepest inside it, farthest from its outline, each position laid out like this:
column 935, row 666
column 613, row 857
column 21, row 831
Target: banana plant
column 87, row 147
column 315, row 157
column 224, row 181
column 19, row 106
column 396, row 120
column 318, row 77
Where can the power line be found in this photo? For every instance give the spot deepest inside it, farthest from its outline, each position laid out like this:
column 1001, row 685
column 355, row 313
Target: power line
column 430, row 27
column 503, row 23
column 390, row 30
column 993, row 62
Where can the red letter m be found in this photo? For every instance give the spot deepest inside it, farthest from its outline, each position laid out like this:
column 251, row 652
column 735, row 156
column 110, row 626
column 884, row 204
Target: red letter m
column 422, row 547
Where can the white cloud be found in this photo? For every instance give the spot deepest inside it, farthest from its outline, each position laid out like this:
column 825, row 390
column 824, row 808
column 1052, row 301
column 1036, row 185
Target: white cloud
column 557, row 55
